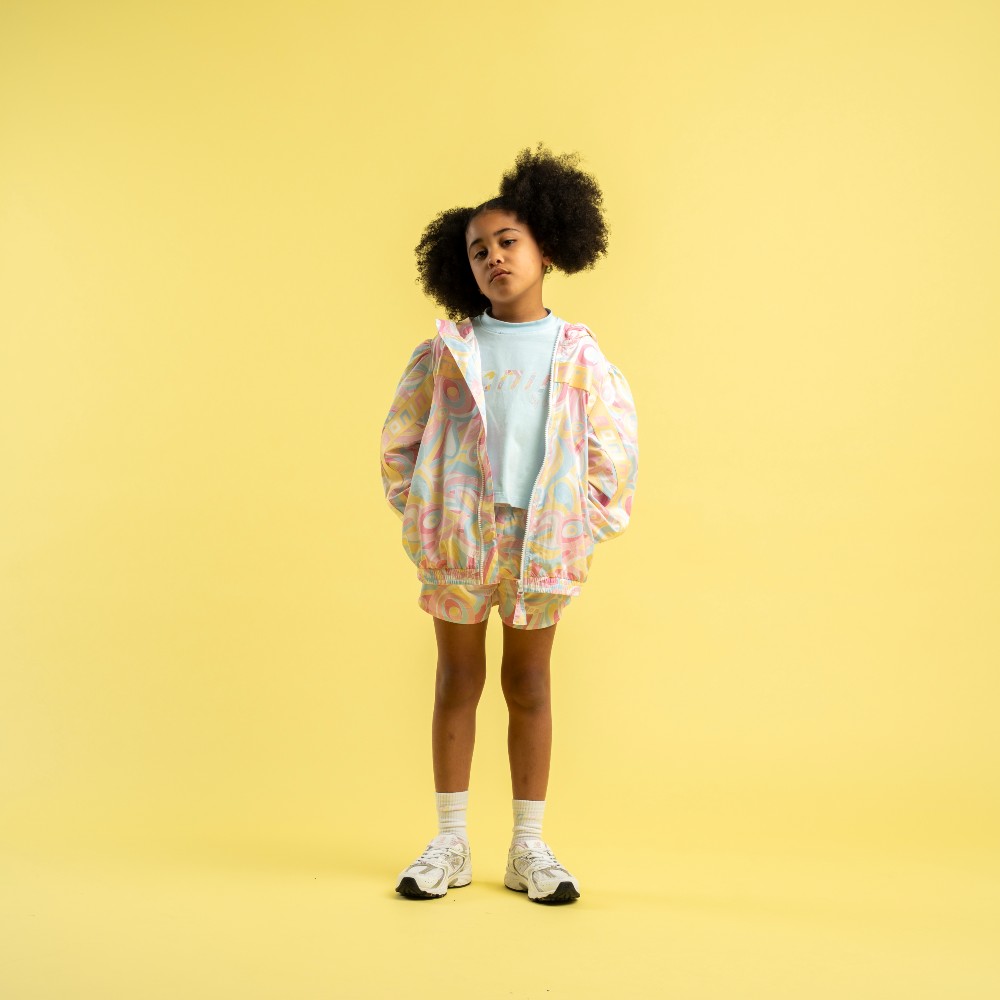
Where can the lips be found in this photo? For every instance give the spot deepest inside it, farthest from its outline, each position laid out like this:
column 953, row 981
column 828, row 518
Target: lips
column 497, row 274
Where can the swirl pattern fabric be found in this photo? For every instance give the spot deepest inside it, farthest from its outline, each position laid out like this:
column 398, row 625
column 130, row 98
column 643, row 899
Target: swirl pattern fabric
column 436, row 472
column 467, row 605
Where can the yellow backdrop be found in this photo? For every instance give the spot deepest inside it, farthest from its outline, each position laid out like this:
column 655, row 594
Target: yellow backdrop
column 777, row 688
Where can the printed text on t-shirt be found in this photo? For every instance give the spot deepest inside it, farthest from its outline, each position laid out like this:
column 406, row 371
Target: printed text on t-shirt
column 535, row 384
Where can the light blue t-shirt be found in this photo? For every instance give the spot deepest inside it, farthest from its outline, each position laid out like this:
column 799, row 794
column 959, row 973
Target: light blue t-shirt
column 516, row 361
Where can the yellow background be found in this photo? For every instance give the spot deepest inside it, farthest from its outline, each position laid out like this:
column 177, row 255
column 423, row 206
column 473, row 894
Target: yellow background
column 776, row 754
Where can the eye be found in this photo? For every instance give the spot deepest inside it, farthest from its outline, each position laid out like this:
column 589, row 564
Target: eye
column 478, row 254
column 510, row 239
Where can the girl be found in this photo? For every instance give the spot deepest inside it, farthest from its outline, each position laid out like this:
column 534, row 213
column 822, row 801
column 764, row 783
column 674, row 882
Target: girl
column 509, row 451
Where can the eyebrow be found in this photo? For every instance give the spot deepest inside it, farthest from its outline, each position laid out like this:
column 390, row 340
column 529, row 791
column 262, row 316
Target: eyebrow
column 506, row 229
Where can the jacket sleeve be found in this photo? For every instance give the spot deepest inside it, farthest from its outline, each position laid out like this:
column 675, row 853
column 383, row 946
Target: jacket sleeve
column 404, row 426
column 612, row 455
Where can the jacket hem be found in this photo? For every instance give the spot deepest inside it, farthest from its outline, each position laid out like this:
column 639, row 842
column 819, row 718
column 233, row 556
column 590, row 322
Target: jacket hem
column 550, row 585
column 531, row 584
column 443, row 577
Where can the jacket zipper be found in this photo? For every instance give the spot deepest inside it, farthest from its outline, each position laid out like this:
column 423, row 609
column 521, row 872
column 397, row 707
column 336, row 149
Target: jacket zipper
column 479, row 516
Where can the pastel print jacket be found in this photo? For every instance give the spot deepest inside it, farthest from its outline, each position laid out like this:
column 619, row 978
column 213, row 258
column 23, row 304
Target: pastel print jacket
column 436, row 472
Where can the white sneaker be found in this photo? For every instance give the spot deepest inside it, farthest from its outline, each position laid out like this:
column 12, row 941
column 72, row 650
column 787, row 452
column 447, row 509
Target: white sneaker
column 445, row 864
column 532, row 868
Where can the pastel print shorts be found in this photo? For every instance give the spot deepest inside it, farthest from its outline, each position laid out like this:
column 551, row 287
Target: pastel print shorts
column 466, row 605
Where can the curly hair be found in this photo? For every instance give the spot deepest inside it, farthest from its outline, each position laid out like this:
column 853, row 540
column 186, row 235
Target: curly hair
column 560, row 204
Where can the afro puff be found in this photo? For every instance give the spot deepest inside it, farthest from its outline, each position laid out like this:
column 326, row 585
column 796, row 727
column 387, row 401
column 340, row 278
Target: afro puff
column 560, row 204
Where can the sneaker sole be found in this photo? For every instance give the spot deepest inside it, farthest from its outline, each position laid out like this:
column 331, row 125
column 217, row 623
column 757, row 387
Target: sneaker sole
column 408, row 887
column 564, row 892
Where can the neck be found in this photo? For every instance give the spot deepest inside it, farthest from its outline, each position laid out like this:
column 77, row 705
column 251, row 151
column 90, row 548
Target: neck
column 518, row 312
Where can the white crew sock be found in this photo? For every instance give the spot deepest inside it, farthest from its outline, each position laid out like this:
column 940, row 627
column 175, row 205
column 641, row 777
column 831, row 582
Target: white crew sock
column 527, row 819
column 451, row 812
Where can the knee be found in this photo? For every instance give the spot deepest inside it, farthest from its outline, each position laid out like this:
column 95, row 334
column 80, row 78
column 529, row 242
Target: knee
column 526, row 690
column 459, row 684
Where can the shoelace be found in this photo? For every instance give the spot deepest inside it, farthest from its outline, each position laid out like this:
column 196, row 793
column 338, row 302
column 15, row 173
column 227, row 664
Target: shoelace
column 541, row 857
column 436, row 852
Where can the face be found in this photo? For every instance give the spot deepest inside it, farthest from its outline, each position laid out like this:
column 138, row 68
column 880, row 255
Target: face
column 507, row 262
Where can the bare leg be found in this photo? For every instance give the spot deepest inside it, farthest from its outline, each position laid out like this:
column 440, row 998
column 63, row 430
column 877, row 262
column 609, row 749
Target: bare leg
column 461, row 675
column 524, row 677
